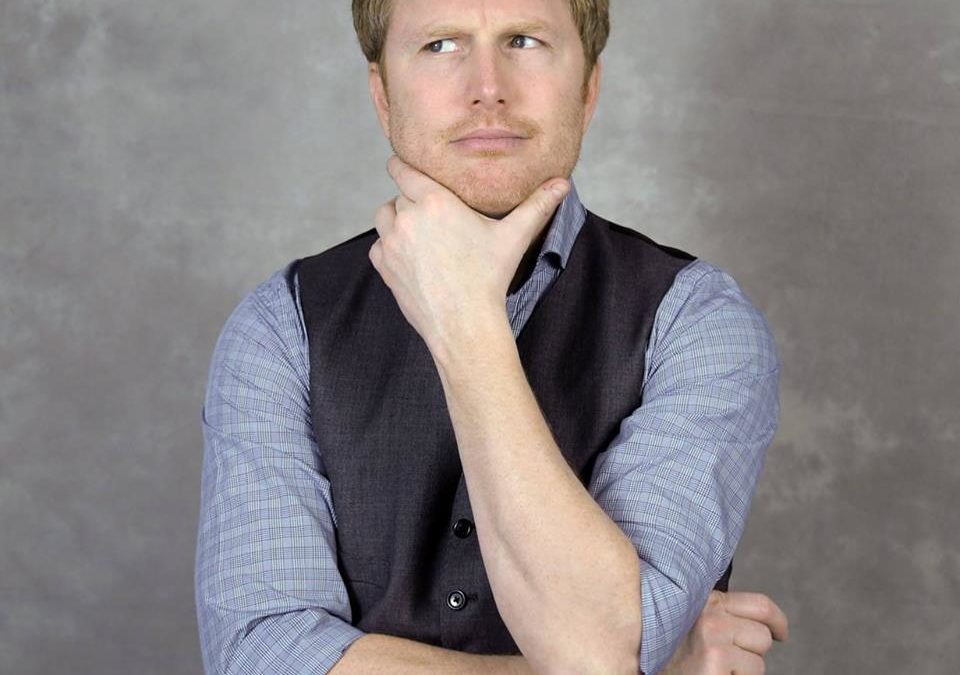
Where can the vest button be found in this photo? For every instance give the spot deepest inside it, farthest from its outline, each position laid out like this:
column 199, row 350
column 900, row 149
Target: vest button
column 456, row 600
column 462, row 528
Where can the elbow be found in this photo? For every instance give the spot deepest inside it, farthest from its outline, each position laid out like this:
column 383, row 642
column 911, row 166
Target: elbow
column 621, row 663
column 226, row 647
column 616, row 651
column 607, row 640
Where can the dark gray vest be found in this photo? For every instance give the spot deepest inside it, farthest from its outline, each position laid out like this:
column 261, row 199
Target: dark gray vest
column 405, row 541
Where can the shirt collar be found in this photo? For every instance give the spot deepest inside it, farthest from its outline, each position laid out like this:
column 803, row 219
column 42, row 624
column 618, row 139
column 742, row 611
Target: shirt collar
column 564, row 228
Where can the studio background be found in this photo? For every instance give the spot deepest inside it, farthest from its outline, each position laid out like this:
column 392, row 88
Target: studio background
column 159, row 160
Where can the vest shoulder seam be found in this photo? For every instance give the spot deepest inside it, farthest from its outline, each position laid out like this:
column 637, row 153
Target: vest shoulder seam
column 635, row 234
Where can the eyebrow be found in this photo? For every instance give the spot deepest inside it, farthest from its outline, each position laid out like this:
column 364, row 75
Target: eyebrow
column 446, row 29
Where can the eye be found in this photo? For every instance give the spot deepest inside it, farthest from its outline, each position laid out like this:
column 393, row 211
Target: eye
column 522, row 37
column 436, row 43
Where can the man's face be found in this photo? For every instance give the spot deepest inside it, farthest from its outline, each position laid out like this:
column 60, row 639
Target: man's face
column 456, row 66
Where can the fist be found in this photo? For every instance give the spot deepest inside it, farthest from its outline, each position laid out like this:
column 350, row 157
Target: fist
column 732, row 635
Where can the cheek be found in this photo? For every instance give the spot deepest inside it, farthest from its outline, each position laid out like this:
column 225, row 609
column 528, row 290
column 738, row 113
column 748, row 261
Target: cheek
column 419, row 116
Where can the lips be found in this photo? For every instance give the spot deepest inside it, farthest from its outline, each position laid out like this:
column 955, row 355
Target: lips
column 490, row 133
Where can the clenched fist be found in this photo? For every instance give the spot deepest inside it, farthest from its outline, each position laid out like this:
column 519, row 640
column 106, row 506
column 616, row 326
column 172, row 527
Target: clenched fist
column 732, row 635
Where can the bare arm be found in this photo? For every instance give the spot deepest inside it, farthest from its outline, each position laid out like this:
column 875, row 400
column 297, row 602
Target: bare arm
column 377, row 653
column 565, row 578
column 735, row 630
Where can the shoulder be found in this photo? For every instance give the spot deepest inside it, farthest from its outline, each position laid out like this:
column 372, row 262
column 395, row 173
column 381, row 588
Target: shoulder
column 264, row 326
column 635, row 247
column 350, row 252
column 709, row 316
column 263, row 308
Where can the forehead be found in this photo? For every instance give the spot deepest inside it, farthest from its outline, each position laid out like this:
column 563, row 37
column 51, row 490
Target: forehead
column 411, row 20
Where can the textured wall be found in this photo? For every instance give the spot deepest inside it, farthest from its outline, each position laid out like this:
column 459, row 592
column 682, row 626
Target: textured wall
column 157, row 160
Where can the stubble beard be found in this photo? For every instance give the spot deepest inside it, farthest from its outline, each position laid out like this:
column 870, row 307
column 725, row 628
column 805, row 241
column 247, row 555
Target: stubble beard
column 491, row 183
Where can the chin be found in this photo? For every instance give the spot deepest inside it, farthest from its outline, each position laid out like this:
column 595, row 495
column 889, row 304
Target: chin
column 494, row 200
column 490, row 187
column 491, row 208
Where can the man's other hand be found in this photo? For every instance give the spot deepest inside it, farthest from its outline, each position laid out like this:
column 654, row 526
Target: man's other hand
column 732, row 635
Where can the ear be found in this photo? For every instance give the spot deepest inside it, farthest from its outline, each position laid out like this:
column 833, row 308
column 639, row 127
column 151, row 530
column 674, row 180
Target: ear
column 378, row 95
column 593, row 94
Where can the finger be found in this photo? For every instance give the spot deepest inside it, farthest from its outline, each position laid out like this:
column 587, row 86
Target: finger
column 750, row 635
column 746, row 663
column 758, row 607
column 413, row 184
column 383, row 219
column 401, row 203
column 527, row 219
column 375, row 254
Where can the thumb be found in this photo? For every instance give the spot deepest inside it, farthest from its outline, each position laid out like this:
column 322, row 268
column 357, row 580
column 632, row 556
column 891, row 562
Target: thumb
column 527, row 220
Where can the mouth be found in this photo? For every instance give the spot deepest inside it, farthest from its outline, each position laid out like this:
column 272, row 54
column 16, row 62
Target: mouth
column 490, row 140
column 489, row 144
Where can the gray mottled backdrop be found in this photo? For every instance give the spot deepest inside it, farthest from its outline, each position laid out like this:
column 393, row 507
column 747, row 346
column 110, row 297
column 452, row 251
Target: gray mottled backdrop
column 158, row 160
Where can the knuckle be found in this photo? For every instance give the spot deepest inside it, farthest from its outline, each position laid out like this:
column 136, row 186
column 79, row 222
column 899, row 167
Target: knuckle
column 385, row 211
column 546, row 205
column 766, row 606
column 766, row 640
column 710, row 624
column 388, row 246
column 402, row 223
column 714, row 658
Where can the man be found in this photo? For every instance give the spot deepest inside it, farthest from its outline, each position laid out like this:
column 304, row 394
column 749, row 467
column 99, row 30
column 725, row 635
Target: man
column 400, row 476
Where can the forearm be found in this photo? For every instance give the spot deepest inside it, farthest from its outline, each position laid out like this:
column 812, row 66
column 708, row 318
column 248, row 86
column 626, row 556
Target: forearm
column 565, row 578
column 378, row 653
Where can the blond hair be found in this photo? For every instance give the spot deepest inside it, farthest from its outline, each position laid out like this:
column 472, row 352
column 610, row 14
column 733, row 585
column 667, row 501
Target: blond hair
column 371, row 18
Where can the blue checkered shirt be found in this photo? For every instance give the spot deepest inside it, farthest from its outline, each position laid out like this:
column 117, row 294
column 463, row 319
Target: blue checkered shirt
column 678, row 479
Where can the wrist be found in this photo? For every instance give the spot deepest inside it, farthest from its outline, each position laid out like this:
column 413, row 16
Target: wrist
column 467, row 340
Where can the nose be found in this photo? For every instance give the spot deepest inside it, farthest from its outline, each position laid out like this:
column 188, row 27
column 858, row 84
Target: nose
column 489, row 77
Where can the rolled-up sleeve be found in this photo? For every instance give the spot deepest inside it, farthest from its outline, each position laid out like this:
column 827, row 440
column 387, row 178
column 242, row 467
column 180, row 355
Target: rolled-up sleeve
column 270, row 598
column 680, row 475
